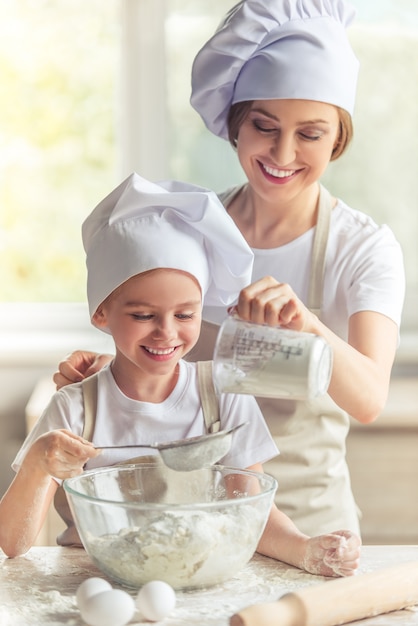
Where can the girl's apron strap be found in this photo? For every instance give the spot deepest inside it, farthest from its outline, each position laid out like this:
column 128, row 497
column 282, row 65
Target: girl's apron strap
column 208, row 397
column 90, row 406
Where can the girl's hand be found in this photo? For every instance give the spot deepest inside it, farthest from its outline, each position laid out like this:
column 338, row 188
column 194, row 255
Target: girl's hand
column 79, row 365
column 269, row 302
column 335, row 554
column 60, row 453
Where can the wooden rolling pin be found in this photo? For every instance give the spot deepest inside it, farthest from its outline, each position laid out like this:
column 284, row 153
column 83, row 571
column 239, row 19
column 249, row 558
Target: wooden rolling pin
column 338, row 601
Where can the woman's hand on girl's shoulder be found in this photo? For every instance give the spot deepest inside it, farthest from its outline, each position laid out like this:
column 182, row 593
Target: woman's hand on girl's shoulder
column 79, row 365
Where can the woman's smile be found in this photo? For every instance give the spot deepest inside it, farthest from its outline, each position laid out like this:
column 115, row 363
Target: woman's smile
column 278, row 176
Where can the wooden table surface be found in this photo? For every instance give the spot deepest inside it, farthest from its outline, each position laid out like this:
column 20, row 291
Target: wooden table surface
column 39, row 588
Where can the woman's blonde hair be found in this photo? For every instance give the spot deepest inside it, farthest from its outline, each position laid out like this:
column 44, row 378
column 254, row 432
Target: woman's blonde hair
column 239, row 111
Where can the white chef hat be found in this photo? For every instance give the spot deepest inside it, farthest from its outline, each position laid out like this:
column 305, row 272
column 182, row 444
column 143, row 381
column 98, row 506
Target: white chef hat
column 276, row 49
column 142, row 226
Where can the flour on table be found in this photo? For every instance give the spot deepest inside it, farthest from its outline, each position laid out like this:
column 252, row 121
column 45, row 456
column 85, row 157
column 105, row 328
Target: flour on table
column 37, row 602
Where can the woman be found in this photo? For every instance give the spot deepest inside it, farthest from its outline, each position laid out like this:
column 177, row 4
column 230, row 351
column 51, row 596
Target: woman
column 278, row 79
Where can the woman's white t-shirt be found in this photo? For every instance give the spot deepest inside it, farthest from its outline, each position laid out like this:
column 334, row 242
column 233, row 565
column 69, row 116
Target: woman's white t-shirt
column 364, row 270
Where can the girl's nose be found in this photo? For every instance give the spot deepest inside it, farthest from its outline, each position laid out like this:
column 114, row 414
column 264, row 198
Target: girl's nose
column 164, row 329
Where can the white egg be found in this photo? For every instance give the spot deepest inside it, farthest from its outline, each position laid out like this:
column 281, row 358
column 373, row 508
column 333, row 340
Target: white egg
column 156, row 600
column 113, row 607
column 90, row 587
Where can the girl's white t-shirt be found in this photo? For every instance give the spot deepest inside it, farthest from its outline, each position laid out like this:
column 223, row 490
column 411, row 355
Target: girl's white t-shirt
column 121, row 420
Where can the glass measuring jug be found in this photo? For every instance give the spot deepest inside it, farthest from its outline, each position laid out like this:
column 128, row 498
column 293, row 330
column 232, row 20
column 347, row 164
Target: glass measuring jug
column 269, row 361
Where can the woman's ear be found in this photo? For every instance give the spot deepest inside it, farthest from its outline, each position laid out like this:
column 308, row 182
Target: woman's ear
column 99, row 317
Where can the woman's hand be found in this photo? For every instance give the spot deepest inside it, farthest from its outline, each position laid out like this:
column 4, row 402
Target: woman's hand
column 334, row 554
column 269, row 302
column 361, row 365
column 59, row 453
column 79, row 365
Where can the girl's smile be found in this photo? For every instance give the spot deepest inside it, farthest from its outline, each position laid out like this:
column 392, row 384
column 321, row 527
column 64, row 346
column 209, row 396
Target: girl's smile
column 160, row 354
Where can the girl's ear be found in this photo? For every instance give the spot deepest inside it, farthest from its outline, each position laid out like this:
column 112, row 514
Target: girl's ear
column 99, row 317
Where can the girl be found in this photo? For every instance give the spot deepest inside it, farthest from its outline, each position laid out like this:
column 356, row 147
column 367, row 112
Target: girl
column 153, row 253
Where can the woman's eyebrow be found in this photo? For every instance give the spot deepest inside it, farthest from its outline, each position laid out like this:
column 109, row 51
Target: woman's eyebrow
column 316, row 121
column 266, row 113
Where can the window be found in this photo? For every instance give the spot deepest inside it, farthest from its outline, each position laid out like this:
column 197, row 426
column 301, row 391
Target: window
column 57, row 116
column 379, row 173
column 92, row 90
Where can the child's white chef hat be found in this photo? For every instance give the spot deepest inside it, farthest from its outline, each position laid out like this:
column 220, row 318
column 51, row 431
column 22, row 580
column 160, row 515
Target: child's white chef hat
column 142, row 225
column 276, row 49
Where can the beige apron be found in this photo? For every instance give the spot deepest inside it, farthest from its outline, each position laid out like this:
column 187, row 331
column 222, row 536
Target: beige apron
column 210, row 407
column 314, row 483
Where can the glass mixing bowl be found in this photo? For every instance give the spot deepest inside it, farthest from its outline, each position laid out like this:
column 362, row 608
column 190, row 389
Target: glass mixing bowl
column 145, row 522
